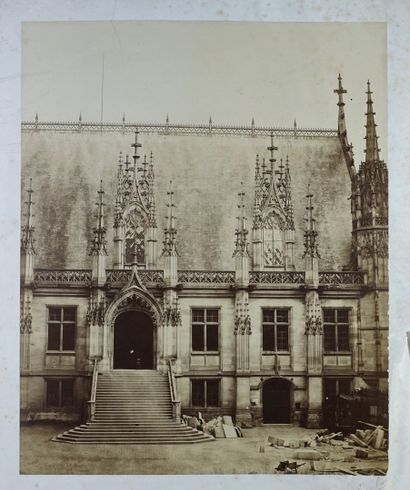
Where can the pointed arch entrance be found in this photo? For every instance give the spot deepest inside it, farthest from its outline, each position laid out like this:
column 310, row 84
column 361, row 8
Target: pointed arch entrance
column 132, row 321
column 133, row 341
column 276, row 401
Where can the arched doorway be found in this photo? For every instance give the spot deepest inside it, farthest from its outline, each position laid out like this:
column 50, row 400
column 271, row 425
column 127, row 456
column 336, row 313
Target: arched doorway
column 276, row 394
column 133, row 341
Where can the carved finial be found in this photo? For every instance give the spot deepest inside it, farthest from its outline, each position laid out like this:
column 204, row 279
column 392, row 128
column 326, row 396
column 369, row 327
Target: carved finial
column 257, row 168
column 136, row 145
column 27, row 237
column 311, row 246
column 372, row 149
column 98, row 243
column 241, row 242
column 170, row 230
column 36, row 118
column 340, row 91
column 80, row 118
column 167, row 120
column 123, row 117
column 271, row 149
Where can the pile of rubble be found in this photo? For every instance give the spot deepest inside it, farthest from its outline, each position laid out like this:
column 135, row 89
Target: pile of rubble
column 369, row 438
column 330, row 452
column 218, row 427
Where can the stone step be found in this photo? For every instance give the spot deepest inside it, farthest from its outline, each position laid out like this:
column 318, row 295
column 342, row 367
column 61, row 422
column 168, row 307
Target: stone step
column 141, row 437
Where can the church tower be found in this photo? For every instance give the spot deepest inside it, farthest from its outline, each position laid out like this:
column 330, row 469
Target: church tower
column 370, row 207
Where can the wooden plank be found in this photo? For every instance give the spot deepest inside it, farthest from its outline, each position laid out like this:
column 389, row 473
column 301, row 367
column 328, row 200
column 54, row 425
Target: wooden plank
column 372, row 425
column 358, row 441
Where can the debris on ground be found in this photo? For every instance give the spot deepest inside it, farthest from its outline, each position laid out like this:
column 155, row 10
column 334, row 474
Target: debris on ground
column 218, row 427
column 289, row 467
column 368, row 438
column 336, row 452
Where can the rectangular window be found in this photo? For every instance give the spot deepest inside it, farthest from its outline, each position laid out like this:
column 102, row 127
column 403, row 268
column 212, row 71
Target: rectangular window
column 61, row 328
column 336, row 330
column 60, row 393
column 275, row 330
column 205, row 330
column 205, row 392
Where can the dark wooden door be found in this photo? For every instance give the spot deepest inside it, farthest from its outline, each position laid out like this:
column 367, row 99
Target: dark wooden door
column 133, row 341
column 276, row 402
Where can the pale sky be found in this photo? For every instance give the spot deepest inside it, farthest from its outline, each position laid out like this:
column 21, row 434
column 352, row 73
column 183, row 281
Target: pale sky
column 274, row 72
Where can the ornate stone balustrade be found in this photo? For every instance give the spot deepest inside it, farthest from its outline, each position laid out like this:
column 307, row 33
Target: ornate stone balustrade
column 207, row 277
column 119, row 277
column 62, row 278
column 276, row 277
column 175, row 129
column 341, row 278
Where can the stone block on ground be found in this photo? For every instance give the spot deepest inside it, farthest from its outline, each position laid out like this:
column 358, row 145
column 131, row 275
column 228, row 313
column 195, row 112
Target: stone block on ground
column 276, row 441
column 193, row 422
column 348, row 458
column 294, row 444
column 227, row 420
column 307, row 454
column 335, row 442
column 229, row 431
column 219, row 432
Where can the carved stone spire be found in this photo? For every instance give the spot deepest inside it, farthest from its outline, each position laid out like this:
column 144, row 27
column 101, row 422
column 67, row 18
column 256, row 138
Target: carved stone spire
column 27, row 238
column 372, row 149
column 287, row 195
column 27, row 250
column 98, row 244
column 311, row 245
column 170, row 230
column 241, row 243
column 341, row 125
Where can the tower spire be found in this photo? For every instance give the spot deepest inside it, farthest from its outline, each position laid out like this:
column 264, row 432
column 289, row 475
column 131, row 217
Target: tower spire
column 27, row 238
column 99, row 242
column 372, row 149
column 241, row 243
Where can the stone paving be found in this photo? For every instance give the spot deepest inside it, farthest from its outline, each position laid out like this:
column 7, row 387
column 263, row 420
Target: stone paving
column 40, row 455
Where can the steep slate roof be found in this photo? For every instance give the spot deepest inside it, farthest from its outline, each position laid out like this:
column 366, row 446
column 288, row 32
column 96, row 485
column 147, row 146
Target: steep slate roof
column 206, row 170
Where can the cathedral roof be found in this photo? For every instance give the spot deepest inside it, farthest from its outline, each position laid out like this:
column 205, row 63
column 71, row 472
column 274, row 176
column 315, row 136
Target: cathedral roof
column 206, row 170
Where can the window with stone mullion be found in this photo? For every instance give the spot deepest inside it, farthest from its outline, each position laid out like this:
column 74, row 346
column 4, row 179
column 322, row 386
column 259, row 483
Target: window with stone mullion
column 275, row 330
column 205, row 330
column 336, row 330
column 61, row 329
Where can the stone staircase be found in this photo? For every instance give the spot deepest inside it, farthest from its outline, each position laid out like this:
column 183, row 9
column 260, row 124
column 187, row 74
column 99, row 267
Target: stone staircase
column 133, row 407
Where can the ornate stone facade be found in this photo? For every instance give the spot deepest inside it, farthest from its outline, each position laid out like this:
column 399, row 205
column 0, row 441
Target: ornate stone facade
column 274, row 318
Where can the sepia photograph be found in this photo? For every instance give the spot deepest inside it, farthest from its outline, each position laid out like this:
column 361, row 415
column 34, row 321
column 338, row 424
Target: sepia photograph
column 204, row 248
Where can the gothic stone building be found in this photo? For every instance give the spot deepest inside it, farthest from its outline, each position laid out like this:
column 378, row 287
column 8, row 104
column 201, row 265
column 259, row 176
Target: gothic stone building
column 250, row 262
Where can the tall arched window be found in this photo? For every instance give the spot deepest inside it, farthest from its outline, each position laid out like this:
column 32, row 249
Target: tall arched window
column 134, row 237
